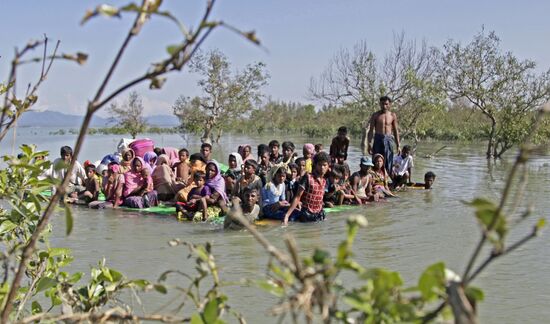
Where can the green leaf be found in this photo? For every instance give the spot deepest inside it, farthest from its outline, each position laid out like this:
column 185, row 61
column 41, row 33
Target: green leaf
column 160, row 288
column 36, row 308
column 320, row 256
column 358, row 302
column 6, row 226
column 172, row 49
column 45, row 283
column 196, row 319
column 540, row 224
column 210, row 313
column 474, row 293
column 432, row 281
column 271, row 287
column 141, row 283
column 53, row 252
column 75, row 278
column 68, row 220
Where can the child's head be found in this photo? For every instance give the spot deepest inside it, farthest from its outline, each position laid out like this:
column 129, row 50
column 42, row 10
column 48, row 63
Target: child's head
column 113, row 168
column 90, row 171
column 128, row 154
column 318, row 148
column 150, row 158
column 245, row 150
column 293, row 170
column 341, row 170
column 250, row 167
column 158, row 151
column 199, row 178
column 406, row 151
column 342, row 132
column 102, row 170
column 66, row 153
column 366, row 163
column 197, row 158
column 206, row 150
column 429, row 179
column 321, row 164
column 137, row 165
column 378, row 162
column 288, row 149
column 301, row 164
column 183, row 154
column 262, row 148
column 278, row 175
column 335, row 176
column 274, row 147
column 264, row 158
column 308, row 150
column 250, row 196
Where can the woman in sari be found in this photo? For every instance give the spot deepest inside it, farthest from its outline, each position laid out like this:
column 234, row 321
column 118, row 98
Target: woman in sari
column 380, row 177
column 216, row 183
column 127, row 157
column 138, row 189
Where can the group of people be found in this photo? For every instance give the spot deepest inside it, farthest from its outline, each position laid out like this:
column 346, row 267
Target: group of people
column 278, row 184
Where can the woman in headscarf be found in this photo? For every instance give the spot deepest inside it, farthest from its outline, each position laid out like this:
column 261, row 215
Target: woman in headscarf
column 127, row 156
column 164, row 179
column 138, row 191
column 112, row 186
column 216, row 183
column 245, row 151
column 150, row 159
column 235, row 163
column 274, row 202
column 197, row 163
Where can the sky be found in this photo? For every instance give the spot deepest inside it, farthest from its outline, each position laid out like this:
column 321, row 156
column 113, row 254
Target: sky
column 298, row 38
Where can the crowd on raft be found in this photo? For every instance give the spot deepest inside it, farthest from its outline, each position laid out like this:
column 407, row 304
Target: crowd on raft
column 278, row 184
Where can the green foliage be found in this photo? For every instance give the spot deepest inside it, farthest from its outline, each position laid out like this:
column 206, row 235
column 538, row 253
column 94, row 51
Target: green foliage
column 492, row 221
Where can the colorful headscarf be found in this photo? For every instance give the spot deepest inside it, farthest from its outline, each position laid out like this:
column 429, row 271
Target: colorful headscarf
column 148, row 157
column 134, row 179
column 310, row 148
column 217, row 183
column 173, row 155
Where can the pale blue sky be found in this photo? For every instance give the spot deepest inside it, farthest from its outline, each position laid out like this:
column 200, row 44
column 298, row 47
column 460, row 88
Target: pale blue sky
column 300, row 38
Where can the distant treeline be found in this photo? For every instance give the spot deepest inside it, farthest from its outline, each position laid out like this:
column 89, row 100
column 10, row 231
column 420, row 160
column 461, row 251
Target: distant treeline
column 117, row 131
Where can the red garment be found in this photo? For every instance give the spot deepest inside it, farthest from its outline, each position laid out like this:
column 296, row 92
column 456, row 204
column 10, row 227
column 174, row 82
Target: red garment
column 312, row 198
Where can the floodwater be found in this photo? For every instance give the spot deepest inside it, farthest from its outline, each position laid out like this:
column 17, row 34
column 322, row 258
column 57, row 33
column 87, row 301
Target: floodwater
column 406, row 234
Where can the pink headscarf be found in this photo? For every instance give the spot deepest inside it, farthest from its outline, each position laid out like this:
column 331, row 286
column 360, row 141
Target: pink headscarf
column 241, row 152
column 310, row 148
column 217, row 183
column 173, row 155
column 134, row 179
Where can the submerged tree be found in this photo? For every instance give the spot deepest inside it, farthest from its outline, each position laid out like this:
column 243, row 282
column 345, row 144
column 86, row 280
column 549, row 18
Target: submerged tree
column 129, row 116
column 505, row 89
column 226, row 97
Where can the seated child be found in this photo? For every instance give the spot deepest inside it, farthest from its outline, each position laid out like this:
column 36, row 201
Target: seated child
column 112, row 188
column 345, row 194
column 341, row 161
column 380, row 178
column 235, row 163
column 291, row 180
column 310, row 193
column 249, row 207
column 274, row 196
column 263, row 167
column 401, row 170
column 230, row 182
column 196, row 200
column 429, row 179
column 318, row 148
column 332, row 189
column 91, row 185
column 248, row 179
column 361, row 181
column 301, row 163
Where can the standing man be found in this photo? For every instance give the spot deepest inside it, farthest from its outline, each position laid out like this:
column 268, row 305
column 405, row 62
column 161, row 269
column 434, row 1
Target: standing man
column 383, row 124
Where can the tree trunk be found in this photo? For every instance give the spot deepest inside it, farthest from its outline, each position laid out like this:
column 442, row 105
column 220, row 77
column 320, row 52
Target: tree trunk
column 205, row 138
column 220, row 131
column 491, row 144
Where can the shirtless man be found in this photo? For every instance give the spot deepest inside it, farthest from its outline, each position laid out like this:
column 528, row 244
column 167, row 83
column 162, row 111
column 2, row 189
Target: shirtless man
column 383, row 124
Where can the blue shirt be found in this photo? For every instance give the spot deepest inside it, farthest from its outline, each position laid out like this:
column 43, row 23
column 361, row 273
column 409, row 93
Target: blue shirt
column 272, row 194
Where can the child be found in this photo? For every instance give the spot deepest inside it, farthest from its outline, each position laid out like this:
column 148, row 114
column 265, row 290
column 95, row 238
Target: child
column 92, row 186
column 301, row 164
column 429, row 179
column 164, row 179
column 112, row 188
column 249, row 207
column 150, row 159
column 246, row 152
column 310, row 193
column 196, row 163
column 182, row 168
column 263, row 167
column 380, row 177
column 318, row 148
column 345, row 193
column 401, row 170
column 288, row 153
column 230, row 182
column 196, row 199
column 274, row 196
column 332, row 189
column 127, row 157
column 340, row 143
column 341, row 161
column 308, row 151
column 248, row 179
column 291, row 180
column 217, row 201
column 361, row 181
column 274, row 157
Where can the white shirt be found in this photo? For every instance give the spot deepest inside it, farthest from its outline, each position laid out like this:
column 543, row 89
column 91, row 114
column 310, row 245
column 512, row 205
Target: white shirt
column 401, row 165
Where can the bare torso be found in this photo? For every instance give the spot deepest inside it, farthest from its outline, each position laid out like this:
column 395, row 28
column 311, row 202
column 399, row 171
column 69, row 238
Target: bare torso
column 383, row 121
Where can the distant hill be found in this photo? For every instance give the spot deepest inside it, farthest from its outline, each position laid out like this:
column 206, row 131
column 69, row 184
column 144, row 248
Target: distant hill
column 58, row 119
